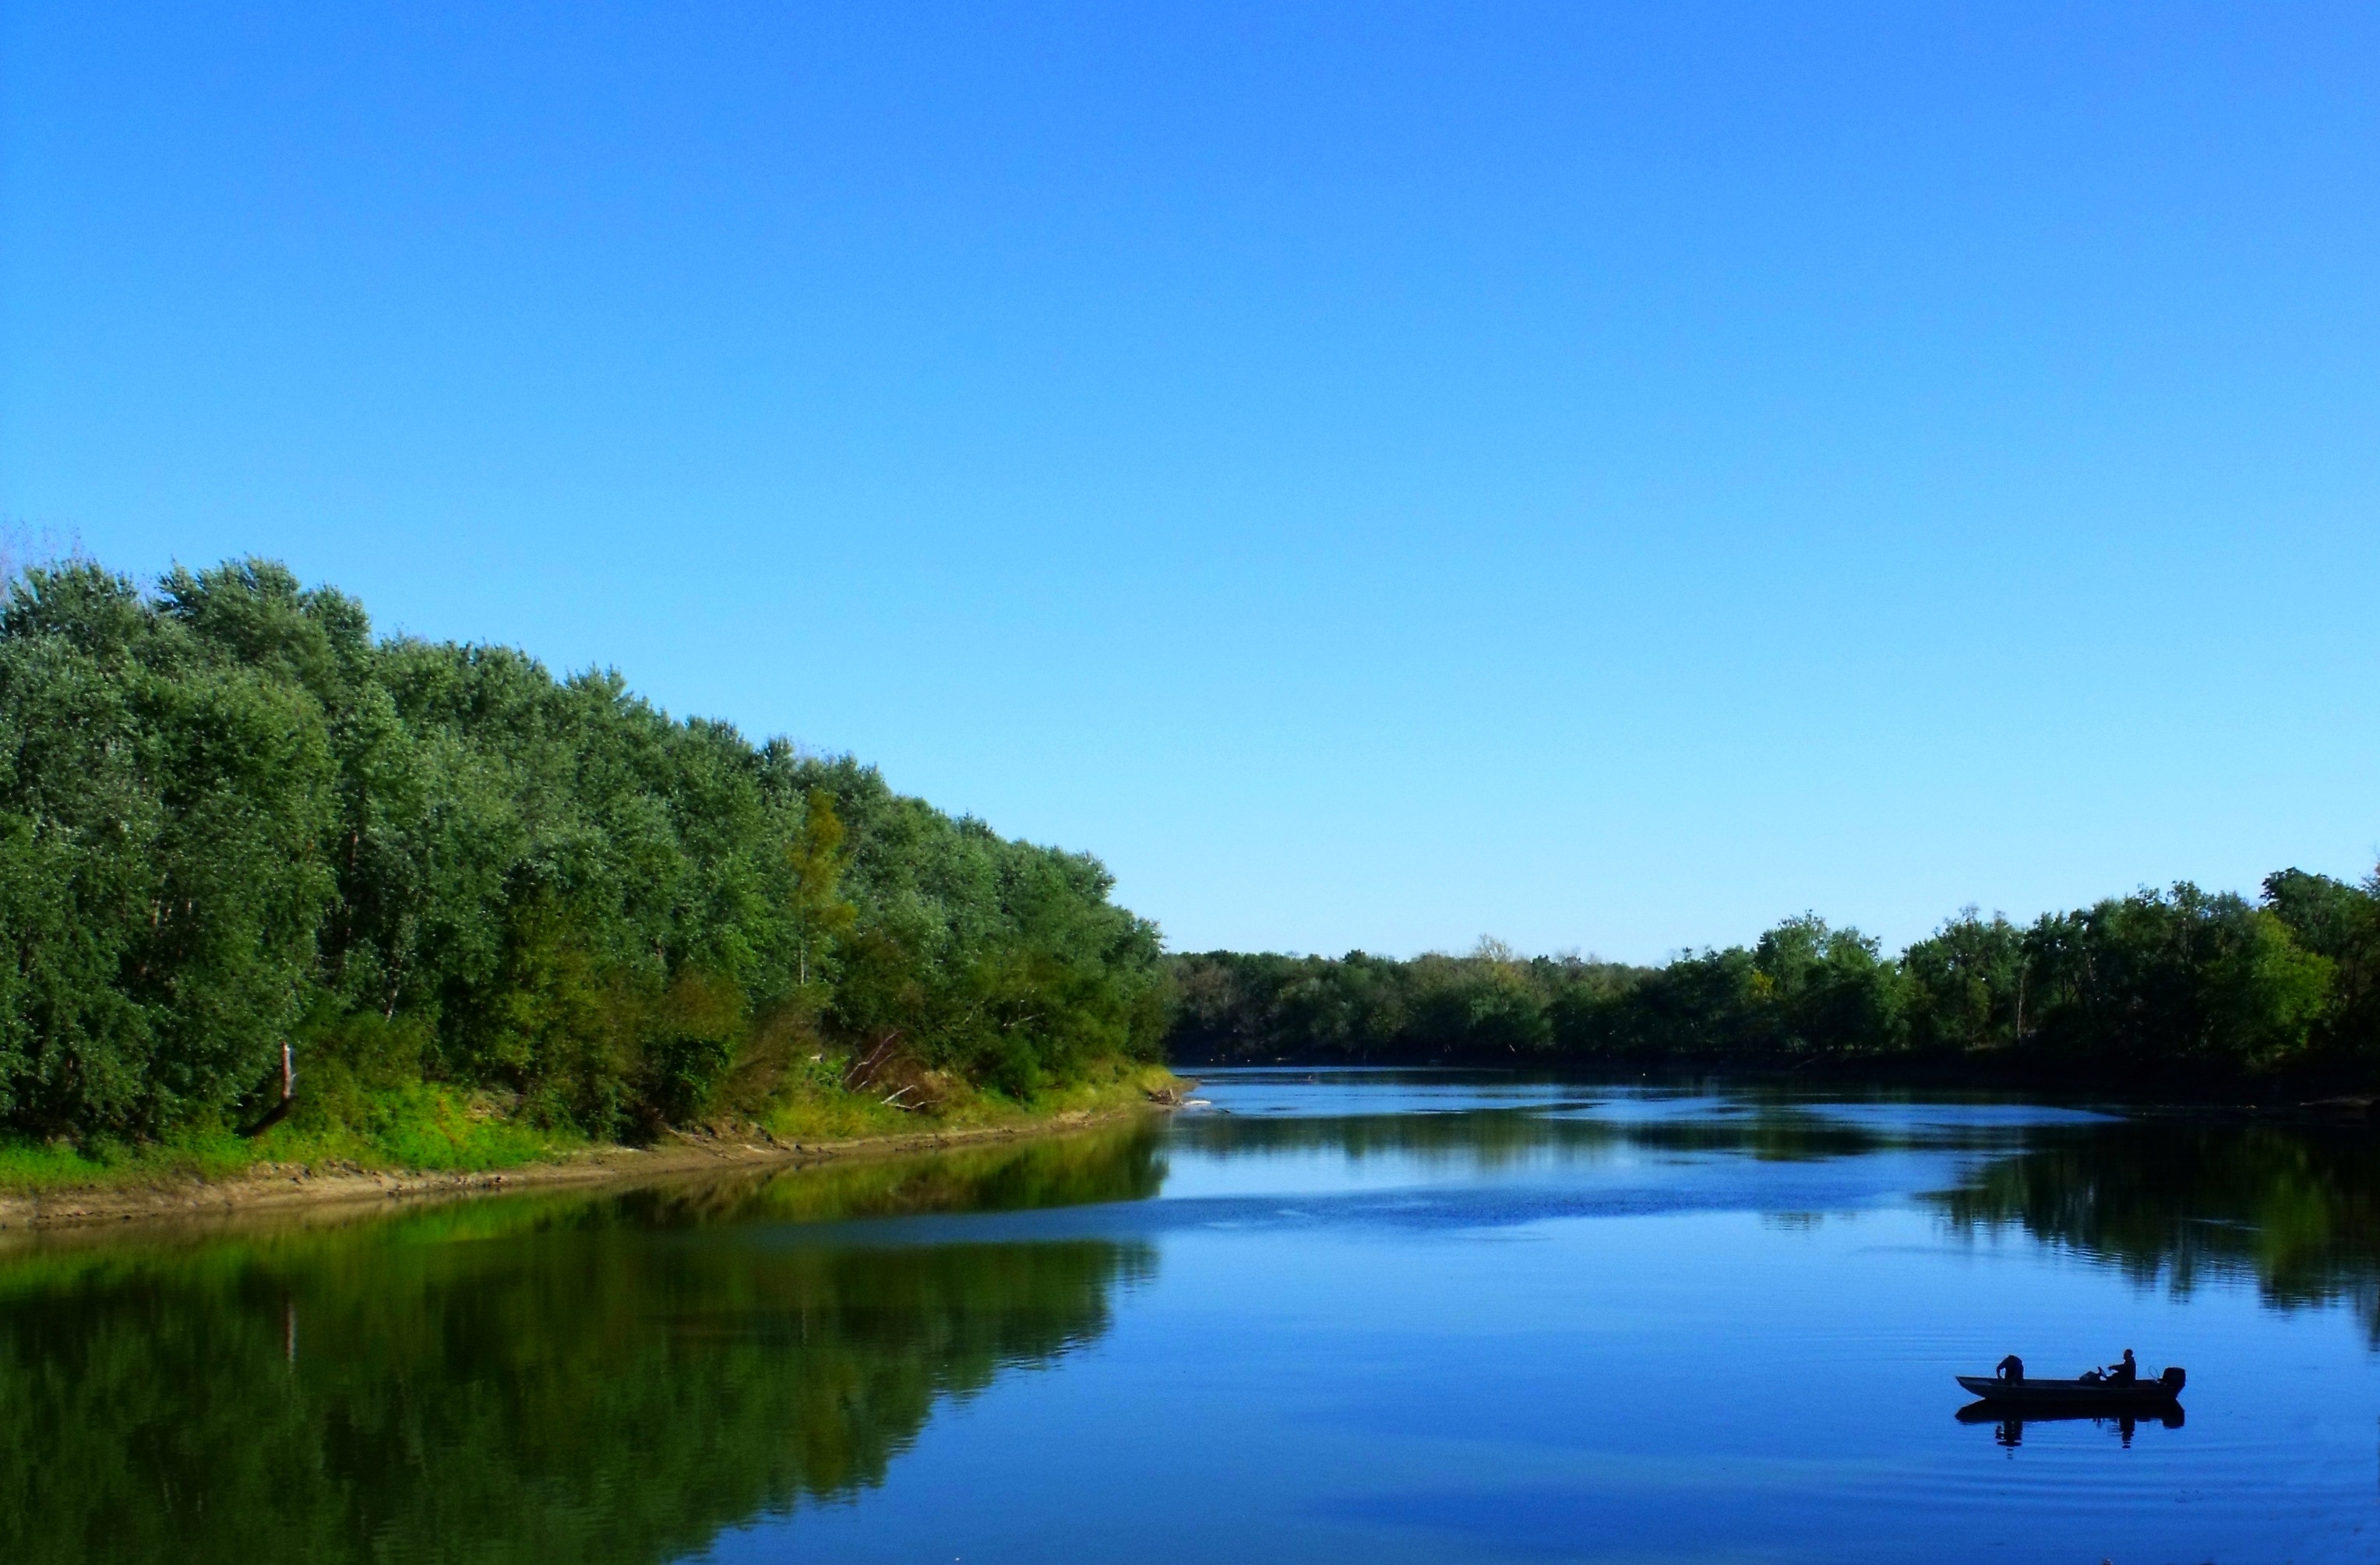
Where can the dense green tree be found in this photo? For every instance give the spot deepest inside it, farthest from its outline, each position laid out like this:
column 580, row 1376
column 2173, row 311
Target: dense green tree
column 230, row 819
column 169, row 782
column 1966, row 985
column 2180, row 975
column 2341, row 924
column 2208, row 985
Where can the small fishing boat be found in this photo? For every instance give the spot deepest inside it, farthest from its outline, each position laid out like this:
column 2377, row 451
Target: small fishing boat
column 2025, row 1392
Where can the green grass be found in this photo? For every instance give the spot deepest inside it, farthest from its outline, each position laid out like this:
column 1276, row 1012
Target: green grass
column 812, row 1110
column 417, row 1126
column 422, row 1127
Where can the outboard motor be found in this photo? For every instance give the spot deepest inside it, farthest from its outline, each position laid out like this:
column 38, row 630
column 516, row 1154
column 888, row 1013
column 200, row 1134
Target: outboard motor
column 2172, row 1379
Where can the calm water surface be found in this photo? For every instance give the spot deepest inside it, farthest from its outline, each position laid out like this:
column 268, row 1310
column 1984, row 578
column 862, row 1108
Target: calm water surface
column 1379, row 1317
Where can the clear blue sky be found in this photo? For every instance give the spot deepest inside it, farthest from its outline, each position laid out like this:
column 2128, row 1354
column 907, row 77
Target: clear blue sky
column 1610, row 477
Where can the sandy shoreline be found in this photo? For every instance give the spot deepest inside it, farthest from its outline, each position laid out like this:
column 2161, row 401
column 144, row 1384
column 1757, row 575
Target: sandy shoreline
column 280, row 1188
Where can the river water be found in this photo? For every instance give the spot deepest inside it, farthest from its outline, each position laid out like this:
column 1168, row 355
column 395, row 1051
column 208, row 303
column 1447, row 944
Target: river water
column 1340, row 1315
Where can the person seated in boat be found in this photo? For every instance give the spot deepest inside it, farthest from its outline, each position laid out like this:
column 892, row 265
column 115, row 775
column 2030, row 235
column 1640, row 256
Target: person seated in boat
column 2126, row 1373
column 2012, row 1368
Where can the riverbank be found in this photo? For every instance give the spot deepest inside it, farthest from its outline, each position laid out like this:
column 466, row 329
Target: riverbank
column 148, row 1191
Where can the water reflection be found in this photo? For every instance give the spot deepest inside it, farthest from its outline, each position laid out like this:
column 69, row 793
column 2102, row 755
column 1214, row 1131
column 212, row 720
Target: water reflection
column 2163, row 1199
column 599, row 1381
column 1491, row 1138
column 1381, row 1301
column 2009, row 1427
column 2297, row 1208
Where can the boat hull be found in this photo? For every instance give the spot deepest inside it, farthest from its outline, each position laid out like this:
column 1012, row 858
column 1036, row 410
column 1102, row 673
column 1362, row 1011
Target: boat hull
column 2071, row 1393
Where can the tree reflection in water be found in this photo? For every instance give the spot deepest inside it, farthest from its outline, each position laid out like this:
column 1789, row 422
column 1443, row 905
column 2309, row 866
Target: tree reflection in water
column 2297, row 1208
column 531, row 1379
column 1497, row 1137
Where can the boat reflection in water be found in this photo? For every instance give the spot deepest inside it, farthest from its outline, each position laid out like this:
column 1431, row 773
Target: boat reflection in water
column 2012, row 1419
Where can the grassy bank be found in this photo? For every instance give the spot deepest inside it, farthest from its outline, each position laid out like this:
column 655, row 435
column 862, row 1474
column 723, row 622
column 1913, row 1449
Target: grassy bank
column 426, row 1129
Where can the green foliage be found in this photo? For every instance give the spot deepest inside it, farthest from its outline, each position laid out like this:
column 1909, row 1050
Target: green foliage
column 1965, row 984
column 821, row 917
column 2181, row 979
column 230, row 818
column 166, row 781
column 981, row 956
column 1491, row 1004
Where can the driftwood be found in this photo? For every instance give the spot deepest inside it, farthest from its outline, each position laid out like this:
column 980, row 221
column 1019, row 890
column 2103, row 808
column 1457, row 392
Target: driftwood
column 861, row 1074
column 280, row 1110
column 1172, row 1096
column 895, row 1076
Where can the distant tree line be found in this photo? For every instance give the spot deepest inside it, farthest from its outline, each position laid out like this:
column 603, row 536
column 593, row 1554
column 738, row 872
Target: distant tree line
column 2178, row 980
column 232, row 818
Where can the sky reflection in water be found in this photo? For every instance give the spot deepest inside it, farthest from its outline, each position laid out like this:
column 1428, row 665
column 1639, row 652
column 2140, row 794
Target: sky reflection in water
column 1376, row 1315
